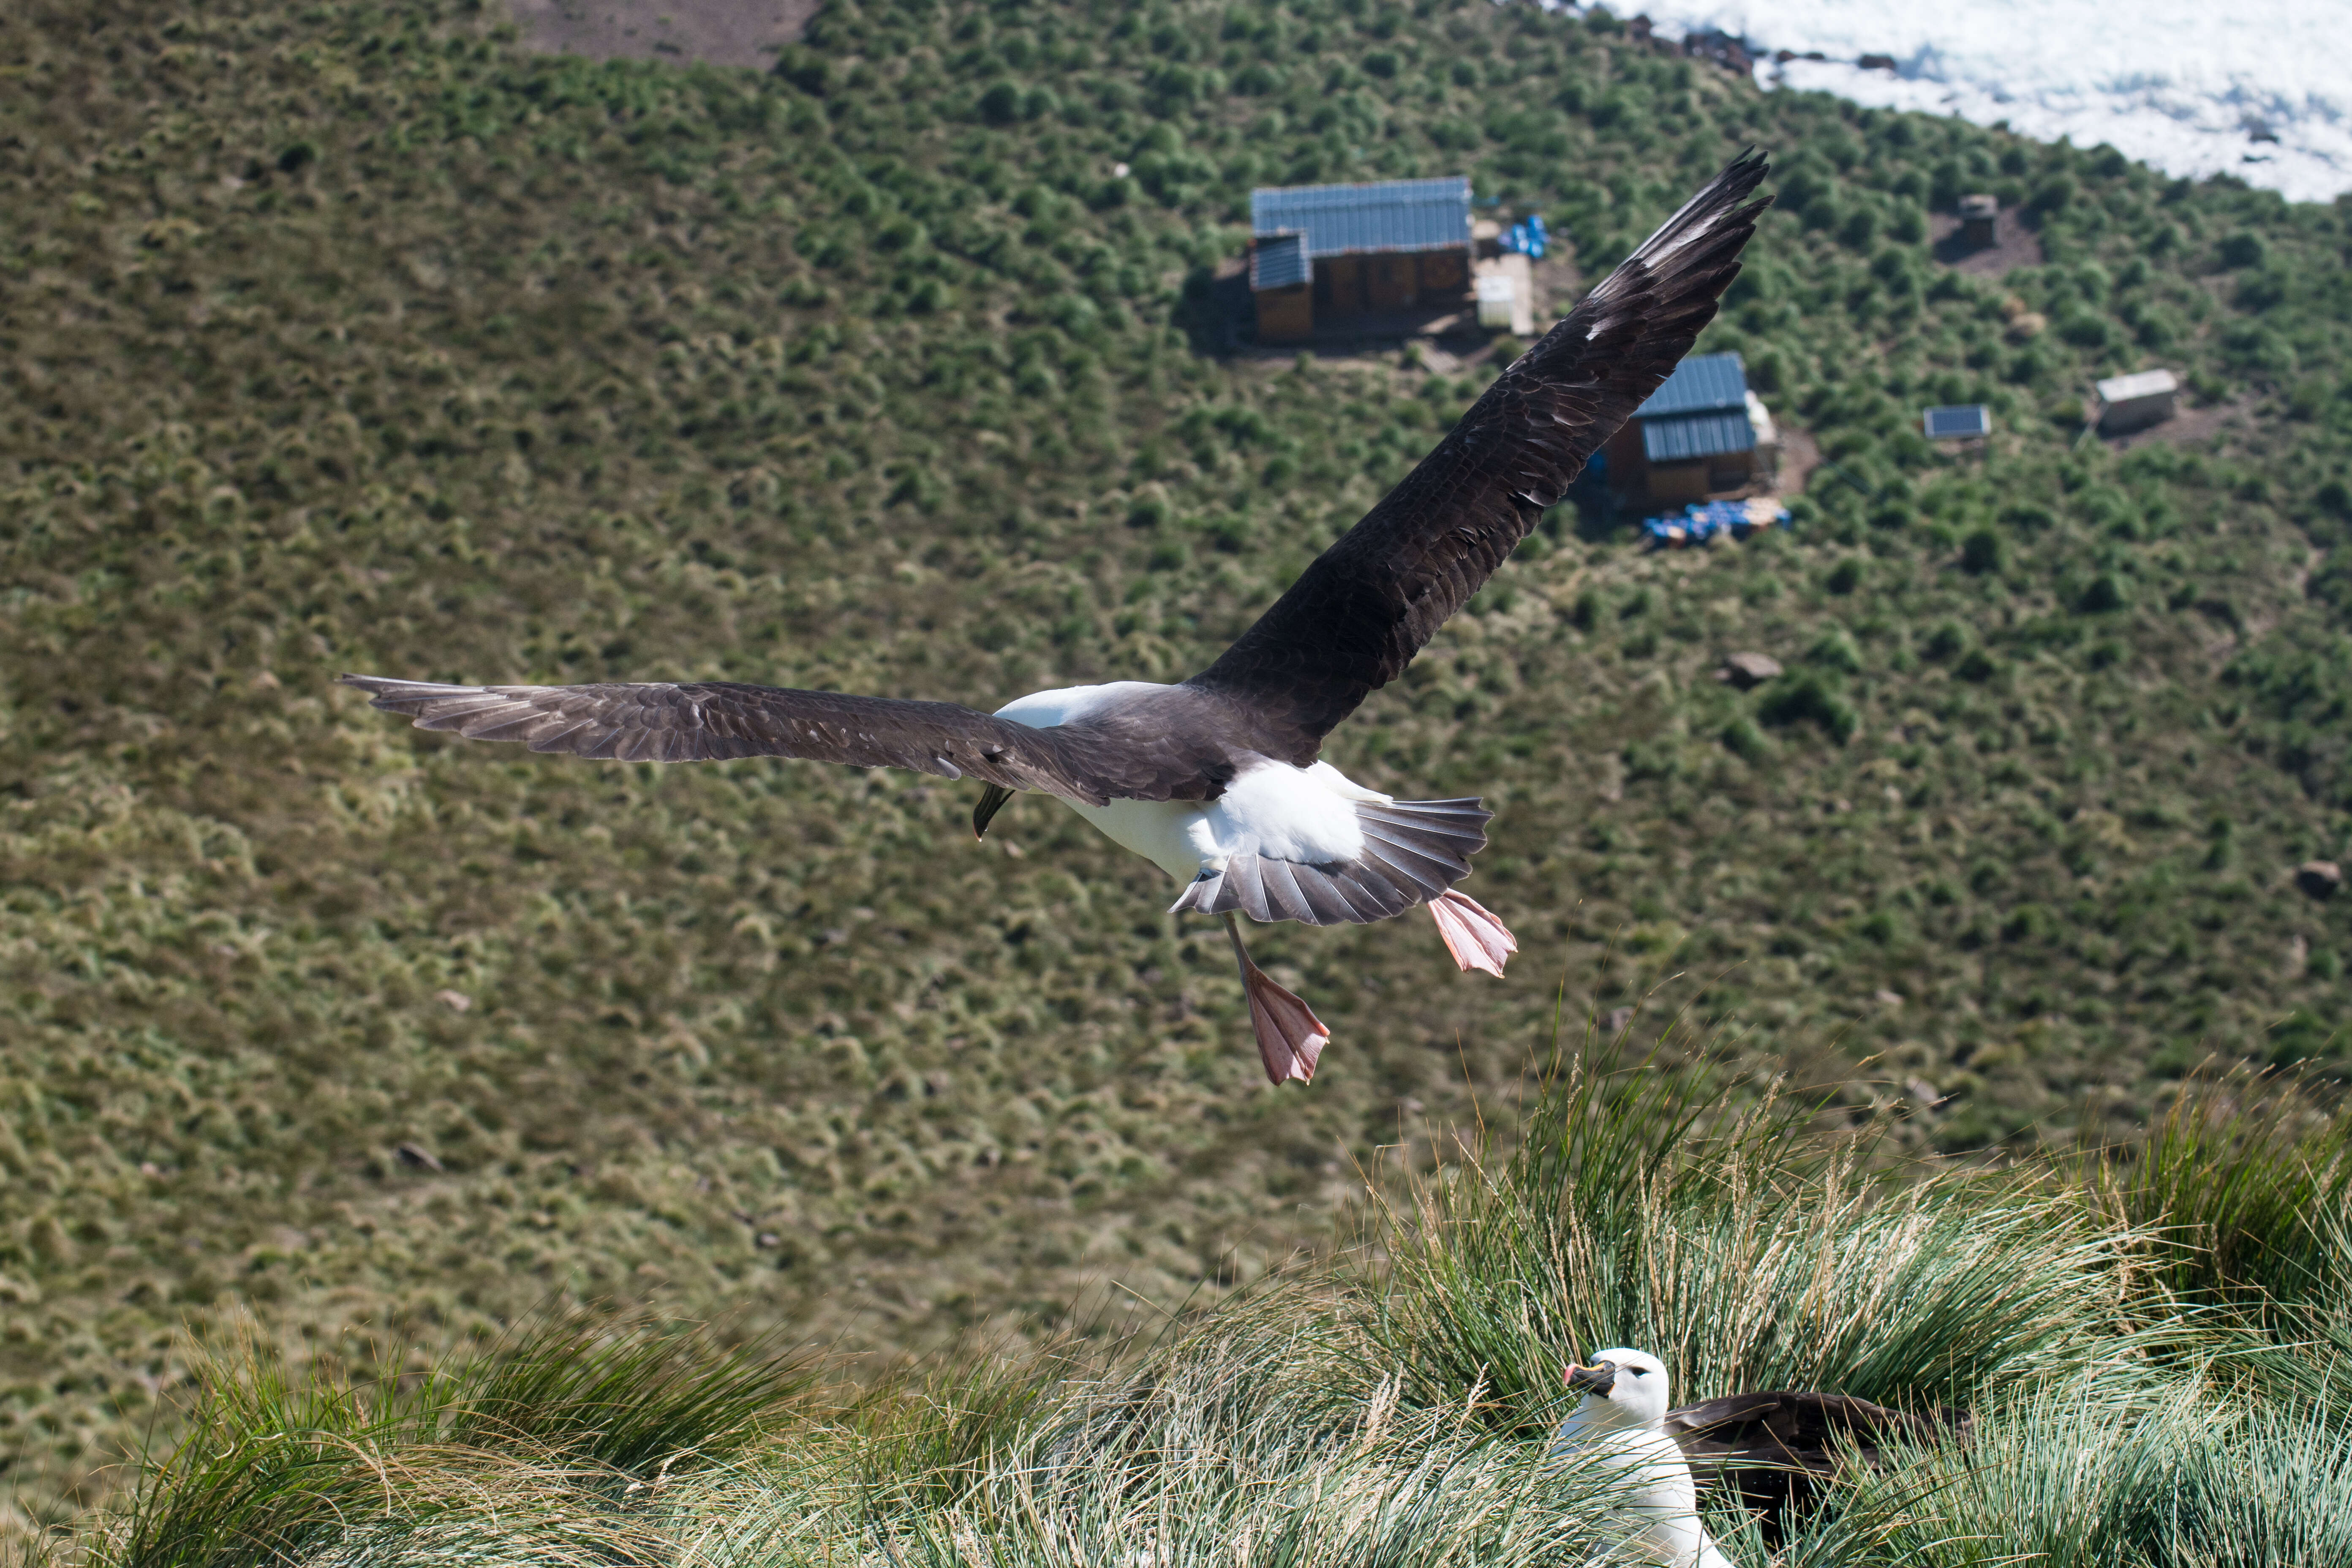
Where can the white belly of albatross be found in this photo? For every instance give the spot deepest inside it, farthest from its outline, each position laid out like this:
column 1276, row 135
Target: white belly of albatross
column 1306, row 814
column 1619, row 1429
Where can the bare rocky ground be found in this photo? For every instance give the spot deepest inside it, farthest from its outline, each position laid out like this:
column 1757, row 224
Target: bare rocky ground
column 717, row 32
column 2019, row 246
column 2212, row 421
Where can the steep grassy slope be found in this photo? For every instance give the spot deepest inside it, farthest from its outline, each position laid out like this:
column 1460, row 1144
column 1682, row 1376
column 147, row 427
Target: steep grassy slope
column 345, row 337
column 2151, row 1356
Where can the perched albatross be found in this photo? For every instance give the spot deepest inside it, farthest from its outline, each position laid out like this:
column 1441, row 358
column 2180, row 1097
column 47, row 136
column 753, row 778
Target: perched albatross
column 1774, row 1452
column 1215, row 780
column 1620, row 1426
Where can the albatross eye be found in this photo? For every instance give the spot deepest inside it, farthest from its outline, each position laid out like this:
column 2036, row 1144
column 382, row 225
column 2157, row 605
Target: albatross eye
column 1639, row 1370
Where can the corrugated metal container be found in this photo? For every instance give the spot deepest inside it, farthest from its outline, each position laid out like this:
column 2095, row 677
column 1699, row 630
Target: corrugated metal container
column 1357, row 220
column 1279, row 261
column 1496, row 297
column 2131, row 402
column 1702, row 381
column 2144, row 383
column 1688, row 436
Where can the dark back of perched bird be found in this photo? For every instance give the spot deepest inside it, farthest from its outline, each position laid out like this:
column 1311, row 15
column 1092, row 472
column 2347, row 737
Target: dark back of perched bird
column 1778, row 1450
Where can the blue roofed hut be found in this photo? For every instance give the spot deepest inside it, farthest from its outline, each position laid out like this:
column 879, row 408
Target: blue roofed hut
column 1322, row 251
column 1703, row 433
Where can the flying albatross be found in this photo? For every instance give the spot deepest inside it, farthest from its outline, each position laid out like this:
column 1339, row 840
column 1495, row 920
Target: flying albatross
column 1215, row 779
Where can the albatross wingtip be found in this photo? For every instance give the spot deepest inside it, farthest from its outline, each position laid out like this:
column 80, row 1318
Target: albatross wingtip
column 1744, row 173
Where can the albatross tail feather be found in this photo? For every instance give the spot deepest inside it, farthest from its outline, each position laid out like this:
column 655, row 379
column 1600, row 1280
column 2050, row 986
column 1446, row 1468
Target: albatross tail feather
column 1415, row 850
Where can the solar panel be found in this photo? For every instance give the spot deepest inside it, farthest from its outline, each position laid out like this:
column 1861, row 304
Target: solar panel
column 1959, row 421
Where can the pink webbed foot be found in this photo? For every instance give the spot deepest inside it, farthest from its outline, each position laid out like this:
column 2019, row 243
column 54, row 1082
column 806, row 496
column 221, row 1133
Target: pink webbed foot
column 1290, row 1037
column 1475, row 938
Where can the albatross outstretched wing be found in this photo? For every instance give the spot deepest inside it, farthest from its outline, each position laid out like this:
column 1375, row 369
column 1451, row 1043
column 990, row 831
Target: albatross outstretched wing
column 1364, row 607
column 708, row 721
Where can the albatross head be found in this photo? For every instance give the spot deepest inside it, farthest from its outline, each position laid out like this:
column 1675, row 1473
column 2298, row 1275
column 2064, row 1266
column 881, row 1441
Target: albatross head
column 1621, row 1388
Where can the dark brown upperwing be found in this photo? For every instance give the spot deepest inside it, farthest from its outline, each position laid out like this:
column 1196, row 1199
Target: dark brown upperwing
column 1778, row 1449
column 1364, row 607
column 713, row 719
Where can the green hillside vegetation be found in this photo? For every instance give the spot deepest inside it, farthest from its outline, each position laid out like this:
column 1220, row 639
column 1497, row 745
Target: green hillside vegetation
column 2152, row 1355
column 349, row 337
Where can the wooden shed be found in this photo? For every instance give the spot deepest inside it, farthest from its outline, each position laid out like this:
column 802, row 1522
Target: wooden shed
column 1979, row 222
column 1702, row 433
column 1322, row 251
column 1282, row 283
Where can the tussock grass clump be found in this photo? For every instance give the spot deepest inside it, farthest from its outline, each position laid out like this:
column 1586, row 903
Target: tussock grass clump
column 1396, row 1408
column 1746, row 1254
column 2077, row 1477
column 548, row 1436
column 2250, row 1203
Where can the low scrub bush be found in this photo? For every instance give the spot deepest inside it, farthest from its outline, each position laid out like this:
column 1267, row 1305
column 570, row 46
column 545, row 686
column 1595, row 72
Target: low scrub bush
column 1806, row 697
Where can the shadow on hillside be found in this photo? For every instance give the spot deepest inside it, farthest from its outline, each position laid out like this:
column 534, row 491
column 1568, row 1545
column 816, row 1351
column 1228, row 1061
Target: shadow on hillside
column 1216, row 314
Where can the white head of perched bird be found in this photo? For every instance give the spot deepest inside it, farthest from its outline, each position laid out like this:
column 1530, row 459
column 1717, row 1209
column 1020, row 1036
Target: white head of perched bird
column 1618, row 1427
